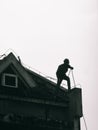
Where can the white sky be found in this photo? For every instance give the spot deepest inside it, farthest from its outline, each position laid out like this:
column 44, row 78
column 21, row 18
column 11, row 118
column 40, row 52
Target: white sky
column 45, row 32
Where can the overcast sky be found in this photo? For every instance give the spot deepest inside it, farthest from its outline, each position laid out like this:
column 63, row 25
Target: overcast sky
column 45, row 32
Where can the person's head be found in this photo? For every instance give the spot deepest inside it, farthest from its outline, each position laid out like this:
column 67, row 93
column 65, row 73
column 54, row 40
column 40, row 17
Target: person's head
column 66, row 61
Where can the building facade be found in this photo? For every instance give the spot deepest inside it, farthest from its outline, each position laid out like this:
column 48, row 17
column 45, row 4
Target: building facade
column 28, row 100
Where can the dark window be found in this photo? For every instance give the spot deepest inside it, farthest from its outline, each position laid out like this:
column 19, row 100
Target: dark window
column 9, row 80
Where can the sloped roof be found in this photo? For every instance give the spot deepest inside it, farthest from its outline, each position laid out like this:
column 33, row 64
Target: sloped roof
column 45, row 85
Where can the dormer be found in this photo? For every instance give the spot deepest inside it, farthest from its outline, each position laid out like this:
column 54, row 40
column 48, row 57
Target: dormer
column 14, row 79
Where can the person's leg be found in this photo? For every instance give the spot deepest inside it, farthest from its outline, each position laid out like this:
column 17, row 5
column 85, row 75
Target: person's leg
column 59, row 82
column 68, row 81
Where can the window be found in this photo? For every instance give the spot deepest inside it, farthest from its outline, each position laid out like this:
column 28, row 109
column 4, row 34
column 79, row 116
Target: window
column 10, row 80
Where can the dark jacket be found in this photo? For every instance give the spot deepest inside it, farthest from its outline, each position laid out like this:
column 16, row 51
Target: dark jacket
column 62, row 69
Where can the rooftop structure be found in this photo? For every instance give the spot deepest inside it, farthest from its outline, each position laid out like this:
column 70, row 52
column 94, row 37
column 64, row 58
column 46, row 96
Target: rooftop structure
column 27, row 100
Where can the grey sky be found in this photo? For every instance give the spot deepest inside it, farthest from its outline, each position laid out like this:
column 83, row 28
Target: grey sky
column 44, row 32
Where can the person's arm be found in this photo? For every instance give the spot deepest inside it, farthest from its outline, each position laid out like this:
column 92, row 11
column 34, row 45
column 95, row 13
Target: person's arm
column 70, row 67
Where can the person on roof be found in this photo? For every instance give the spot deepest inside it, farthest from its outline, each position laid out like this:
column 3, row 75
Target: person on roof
column 61, row 73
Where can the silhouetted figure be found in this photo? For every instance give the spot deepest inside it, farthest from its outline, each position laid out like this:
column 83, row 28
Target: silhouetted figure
column 61, row 73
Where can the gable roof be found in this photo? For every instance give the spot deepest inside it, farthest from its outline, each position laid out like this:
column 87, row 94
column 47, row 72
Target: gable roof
column 11, row 59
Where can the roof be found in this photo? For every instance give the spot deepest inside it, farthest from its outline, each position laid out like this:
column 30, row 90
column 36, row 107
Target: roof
column 40, row 87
